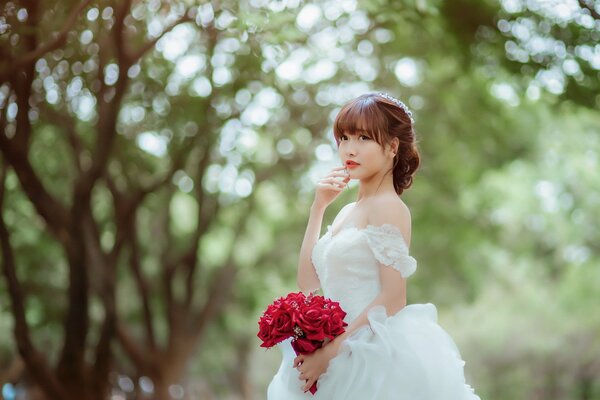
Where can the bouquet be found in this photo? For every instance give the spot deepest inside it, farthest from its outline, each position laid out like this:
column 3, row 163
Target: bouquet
column 309, row 320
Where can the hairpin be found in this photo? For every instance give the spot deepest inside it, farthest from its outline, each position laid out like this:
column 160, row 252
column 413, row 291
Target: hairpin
column 399, row 104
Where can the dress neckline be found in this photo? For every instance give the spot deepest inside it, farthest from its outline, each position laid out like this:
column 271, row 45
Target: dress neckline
column 386, row 227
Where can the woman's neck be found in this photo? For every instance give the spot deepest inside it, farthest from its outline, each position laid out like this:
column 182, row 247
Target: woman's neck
column 376, row 186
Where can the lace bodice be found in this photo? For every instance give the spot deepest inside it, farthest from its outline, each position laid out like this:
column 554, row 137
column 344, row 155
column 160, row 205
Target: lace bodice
column 348, row 263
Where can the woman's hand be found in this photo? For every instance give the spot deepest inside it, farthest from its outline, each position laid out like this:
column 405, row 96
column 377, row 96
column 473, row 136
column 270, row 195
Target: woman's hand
column 329, row 187
column 312, row 366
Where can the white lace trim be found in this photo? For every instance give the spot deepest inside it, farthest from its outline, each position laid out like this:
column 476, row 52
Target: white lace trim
column 390, row 249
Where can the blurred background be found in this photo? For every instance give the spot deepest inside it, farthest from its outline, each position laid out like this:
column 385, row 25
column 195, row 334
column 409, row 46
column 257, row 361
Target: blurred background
column 159, row 161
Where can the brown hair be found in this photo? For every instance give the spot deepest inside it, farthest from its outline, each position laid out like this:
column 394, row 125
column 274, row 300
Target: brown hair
column 382, row 120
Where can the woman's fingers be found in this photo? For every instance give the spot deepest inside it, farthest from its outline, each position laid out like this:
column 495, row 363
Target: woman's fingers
column 331, row 186
column 303, row 376
column 337, row 174
column 334, row 183
column 298, row 361
column 332, row 180
column 309, row 383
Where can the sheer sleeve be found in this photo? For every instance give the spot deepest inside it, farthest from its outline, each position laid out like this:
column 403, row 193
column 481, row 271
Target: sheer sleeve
column 389, row 248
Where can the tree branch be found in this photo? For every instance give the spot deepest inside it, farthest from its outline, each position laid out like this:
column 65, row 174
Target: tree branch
column 67, row 123
column 590, row 7
column 118, row 31
column 16, row 150
column 132, row 348
column 103, row 268
column 142, row 284
column 178, row 161
column 123, row 217
column 51, row 210
column 102, row 364
column 3, row 111
column 35, row 361
column 221, row 285
column 53, row 44
column 108, row 105
column 22, row 81
column 135, row 56
column 76, row 325
column 13, row 371
column 164, row 220
column 126, row 207
column 190, row 258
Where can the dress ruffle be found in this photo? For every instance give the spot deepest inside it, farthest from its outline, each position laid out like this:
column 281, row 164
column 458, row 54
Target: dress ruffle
column 406, row 356
column 389, row 248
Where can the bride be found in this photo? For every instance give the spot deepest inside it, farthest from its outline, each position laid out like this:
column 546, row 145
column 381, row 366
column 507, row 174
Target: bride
column 390, row 350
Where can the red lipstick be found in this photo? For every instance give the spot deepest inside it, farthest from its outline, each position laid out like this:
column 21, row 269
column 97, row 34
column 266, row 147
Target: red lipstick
column 351, row 164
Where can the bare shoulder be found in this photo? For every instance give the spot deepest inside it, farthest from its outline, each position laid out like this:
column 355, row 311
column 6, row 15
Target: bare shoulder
column 343, row 212
column 347, row 207
column 390, row 210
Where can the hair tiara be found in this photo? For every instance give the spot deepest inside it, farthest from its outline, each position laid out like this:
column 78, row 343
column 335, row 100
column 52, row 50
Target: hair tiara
column 399, row 104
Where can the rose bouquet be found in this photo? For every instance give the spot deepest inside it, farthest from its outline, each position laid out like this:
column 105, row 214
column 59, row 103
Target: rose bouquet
column 310, row 320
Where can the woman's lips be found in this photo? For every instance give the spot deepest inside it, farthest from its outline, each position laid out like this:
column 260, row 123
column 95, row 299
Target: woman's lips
column 351, row 164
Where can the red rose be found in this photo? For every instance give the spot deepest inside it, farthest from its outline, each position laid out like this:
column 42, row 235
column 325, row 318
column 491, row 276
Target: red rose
column 282, row 323
column 311, row 319
column 314, row 300
column 276, row 323
column 305, row 346
column 268, row 332
column 271, row 309
column 264, row 331
column 335, row 324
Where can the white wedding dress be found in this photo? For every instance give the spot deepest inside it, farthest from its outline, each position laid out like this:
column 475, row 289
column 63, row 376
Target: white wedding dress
column 405, row 356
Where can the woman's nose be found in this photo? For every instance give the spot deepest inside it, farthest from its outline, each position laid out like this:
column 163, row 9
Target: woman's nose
column 350, row 148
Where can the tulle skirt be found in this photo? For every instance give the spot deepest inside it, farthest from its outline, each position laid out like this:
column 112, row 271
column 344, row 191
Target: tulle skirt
column 406, row 356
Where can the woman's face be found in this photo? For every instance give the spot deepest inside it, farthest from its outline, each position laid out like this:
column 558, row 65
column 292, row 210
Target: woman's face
column 363, row 150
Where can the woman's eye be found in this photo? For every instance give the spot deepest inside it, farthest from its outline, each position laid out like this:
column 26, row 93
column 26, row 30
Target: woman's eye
column 344, row 137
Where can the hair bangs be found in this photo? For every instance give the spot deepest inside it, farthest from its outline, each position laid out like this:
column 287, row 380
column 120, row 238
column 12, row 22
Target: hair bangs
column 360, row 116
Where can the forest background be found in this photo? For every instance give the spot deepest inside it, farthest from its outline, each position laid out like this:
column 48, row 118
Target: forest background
column 159, row 159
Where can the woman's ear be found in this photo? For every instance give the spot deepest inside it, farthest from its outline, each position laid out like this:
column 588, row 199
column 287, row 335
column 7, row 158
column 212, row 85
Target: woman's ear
column 394, row 145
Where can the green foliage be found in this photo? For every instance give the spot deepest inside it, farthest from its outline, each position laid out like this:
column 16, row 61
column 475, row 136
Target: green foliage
column 503, row 205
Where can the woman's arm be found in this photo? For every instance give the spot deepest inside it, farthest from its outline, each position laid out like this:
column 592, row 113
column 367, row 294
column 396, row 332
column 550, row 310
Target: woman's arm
column 307, row 278
column 392, row 297
column 328, row 188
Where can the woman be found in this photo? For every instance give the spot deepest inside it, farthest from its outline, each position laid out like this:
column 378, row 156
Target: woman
column 390, row 350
